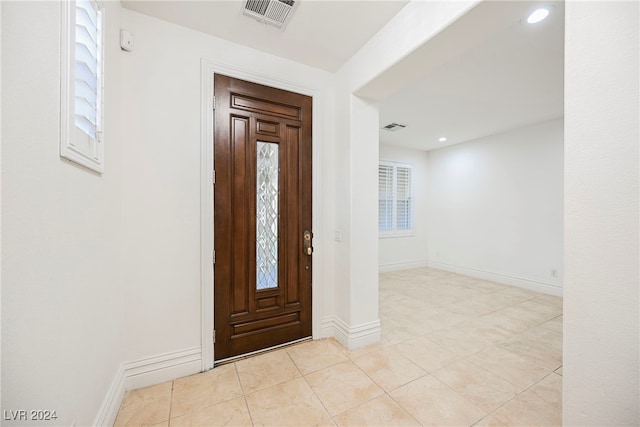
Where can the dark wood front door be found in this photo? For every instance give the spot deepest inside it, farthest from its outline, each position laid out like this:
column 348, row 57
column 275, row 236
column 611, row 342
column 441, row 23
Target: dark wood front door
column 262, row 211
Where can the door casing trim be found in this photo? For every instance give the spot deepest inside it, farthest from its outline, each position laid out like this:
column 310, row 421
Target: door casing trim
column 208, row 69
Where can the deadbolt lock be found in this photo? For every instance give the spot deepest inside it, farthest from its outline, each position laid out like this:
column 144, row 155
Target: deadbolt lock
column 306, row 240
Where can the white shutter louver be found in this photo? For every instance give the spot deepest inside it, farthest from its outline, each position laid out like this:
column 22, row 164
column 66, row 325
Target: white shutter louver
column 385, row 197
column 87, row 67
column 404, row 220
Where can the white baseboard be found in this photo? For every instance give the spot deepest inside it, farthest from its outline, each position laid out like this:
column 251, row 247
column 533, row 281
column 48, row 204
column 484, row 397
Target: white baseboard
column 521, row 282
column 111, row 403
column 327, row 327
column 161, row 368
column 351, row 337
column 146, row 372
column 402, row 266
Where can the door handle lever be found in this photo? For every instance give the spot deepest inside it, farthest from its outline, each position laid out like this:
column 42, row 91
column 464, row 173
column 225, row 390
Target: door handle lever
column 306, row 240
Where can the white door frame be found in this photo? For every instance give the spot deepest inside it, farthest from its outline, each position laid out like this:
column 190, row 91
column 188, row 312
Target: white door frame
column 208, row 69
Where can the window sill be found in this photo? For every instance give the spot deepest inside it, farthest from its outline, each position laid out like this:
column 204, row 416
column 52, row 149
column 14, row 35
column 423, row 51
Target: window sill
column 394, row 235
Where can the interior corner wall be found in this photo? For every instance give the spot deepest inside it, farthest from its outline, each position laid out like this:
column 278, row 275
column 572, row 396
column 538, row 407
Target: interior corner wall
column 602, row 183
column 342, row 207
column 356, row 154
column 61, row 236
column 161, row 177
column 401, row 253
column 364, row 181
column 495, row 207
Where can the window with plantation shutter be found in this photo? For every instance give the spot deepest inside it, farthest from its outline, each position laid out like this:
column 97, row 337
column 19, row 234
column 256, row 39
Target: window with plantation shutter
column 385, row 197
column 395, row 201
column 87, row 66
column 82, row 83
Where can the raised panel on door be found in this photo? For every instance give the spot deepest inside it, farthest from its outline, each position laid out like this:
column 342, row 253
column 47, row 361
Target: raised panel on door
column 262, row 207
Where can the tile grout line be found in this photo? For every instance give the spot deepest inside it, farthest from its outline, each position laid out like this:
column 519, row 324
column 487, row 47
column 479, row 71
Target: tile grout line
column 492, row 413
column 317, row 397
column 244, row 395
column 171, row 402
column 304, row 376
column 400, row 405
column 486, row 414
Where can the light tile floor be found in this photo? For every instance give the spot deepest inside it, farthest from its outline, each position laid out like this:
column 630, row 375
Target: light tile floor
column 455, row 351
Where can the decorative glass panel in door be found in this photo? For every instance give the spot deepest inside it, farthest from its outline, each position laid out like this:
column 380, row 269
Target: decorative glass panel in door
column 267, row 215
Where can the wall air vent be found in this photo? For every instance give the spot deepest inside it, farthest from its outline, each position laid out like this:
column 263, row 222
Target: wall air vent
column 394, row 127
column 272, row 12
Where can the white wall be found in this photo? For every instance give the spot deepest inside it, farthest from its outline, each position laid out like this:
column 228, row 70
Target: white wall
column 161, row 88
column 495, row 207
column 62, row 314
column 398, row 253
column 100, row 271
column 356, row 159
column 601, row 378
column 64, row 229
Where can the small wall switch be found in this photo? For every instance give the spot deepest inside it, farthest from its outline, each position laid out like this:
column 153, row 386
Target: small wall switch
column 126, row 40
column 338, row 236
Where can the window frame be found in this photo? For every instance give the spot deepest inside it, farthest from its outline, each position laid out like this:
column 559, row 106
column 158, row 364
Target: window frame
column 394, row 231
column 75, row 144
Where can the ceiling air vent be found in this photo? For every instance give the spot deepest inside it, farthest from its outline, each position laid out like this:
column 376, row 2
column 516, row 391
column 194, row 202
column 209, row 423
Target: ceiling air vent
column 272, row 12
column 394, row 127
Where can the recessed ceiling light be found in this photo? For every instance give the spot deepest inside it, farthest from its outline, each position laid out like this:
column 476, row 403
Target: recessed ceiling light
column 443, row 139
column 538, row 15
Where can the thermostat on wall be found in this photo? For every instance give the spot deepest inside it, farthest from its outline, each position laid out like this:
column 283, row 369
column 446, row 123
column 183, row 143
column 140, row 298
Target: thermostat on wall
column 126, row 40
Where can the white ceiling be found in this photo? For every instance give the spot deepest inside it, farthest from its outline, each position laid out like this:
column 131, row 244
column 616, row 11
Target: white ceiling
column 321, row 33
column 485, row 74
column 508, row 77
